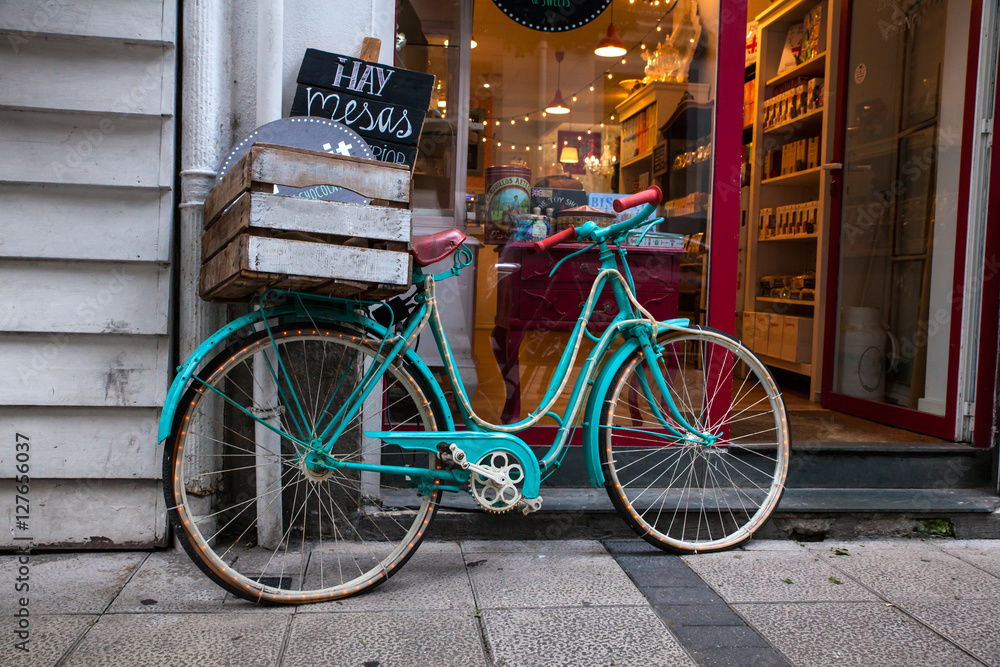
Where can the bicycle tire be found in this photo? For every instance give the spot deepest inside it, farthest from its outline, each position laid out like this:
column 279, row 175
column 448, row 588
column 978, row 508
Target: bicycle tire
column 705, row 497
column 364, row 526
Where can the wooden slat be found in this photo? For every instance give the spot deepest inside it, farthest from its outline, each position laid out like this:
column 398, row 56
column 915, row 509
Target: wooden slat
column 83, row 369
column 261, row 212
column 85, row 222
column 86, row 443
column 122, row 19
column 83, row 297
column 88, row 149
column 233, row 184
column 88, row 75
column 302, row 258
column 301, row 168
column 249, row 264
column 97, row 514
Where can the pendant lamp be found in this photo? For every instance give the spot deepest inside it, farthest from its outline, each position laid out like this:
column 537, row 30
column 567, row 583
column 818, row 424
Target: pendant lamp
column 569, row 155
column 556, row 106
column 611, row 46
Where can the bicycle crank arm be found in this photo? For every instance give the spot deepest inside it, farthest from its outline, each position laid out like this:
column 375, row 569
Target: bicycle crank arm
column 475, row 444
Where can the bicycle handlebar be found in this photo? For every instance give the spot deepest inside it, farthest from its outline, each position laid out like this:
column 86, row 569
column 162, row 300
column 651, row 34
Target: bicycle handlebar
column 567, row 234
column 651, row 195
column 589, row 231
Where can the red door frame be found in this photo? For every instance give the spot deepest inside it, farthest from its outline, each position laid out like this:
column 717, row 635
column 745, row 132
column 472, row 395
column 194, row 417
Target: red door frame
column 727, row 143
column 939, row 426
column 989, row 322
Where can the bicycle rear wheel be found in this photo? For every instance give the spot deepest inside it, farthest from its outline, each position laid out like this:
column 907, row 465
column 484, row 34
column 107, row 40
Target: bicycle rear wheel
column 250, row 512
column 676, row 492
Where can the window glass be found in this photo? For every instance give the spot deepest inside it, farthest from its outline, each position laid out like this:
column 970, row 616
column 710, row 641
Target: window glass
column 556, row 132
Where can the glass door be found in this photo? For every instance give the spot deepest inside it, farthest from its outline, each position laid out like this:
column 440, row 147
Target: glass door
column 891, row 354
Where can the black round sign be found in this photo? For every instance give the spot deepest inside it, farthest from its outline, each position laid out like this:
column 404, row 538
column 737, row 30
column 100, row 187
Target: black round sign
column 552, row 15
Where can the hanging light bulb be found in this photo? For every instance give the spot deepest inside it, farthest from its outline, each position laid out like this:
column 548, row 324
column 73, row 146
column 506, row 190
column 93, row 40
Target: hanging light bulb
column 611, row 45
column 556, row 106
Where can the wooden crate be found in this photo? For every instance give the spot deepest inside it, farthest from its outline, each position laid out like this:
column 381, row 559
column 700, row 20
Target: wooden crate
column 255, row 239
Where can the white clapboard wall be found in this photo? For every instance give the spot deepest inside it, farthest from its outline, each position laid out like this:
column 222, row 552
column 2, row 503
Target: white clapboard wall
column 87, row 100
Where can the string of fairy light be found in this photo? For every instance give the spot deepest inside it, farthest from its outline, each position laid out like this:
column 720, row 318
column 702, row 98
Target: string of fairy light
column 608, row 74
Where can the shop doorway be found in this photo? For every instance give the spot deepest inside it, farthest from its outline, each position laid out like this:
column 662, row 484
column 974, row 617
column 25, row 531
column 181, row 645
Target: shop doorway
column 898, row 212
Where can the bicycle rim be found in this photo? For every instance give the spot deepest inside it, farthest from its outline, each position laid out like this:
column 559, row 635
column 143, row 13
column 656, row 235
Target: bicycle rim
column 251, row 513
column 677, row 492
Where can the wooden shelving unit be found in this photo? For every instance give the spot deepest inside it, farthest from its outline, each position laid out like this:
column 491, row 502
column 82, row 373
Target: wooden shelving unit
column 792, row 254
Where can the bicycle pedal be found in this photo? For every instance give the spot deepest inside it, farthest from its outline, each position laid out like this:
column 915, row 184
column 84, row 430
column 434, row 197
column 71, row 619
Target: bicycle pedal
column 529, row 505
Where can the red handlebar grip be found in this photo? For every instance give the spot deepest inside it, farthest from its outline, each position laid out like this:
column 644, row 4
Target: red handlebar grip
column 651, row 195
column 567, row 234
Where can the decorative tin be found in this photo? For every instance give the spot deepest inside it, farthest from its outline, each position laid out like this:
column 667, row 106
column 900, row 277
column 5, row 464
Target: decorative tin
column 507, row 196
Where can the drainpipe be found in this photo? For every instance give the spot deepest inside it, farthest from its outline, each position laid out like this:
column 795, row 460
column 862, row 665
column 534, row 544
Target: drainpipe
column 205, row 138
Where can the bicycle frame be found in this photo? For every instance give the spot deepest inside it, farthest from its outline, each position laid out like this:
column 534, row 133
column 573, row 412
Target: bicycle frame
column 479, row 436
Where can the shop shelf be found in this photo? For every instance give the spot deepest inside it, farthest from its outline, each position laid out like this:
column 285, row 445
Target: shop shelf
column 789, row 237
column 805, row 177
column 814, row 67
column 809, row 123
column 774, row 362
column 790, row 302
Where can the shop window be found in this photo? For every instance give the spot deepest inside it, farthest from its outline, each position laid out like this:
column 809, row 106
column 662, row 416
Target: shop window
column 556, row 132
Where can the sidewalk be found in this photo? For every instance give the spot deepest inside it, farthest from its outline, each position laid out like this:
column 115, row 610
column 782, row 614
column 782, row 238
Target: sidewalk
column 574, row 602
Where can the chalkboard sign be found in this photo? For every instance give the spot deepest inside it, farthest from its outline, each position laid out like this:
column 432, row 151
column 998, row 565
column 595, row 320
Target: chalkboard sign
column 385, row 105
column 552, row 15
column 390, row 85
column 660, row 159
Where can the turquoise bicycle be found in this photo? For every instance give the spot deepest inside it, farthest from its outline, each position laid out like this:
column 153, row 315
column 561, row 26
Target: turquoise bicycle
column 305, row 460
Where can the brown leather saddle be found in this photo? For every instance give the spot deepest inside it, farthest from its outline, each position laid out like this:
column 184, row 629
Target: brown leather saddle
column 429, row 249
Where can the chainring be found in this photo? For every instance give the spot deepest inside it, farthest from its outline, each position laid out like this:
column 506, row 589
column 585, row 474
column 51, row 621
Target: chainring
column 497, row 495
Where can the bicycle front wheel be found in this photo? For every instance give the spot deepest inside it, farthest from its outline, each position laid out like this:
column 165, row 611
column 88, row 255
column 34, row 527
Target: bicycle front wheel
column 676, row 491
column 246, row 506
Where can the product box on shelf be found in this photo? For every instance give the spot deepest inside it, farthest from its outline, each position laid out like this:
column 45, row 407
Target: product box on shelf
column 796, row 339
column 762, row 329
column 775, row 326
column 557, row 199
column 812, row 153
column 748, row 329
column 753, row 42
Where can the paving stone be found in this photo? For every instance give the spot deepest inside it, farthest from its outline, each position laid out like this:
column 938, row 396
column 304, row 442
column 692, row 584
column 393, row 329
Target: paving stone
column 772, row 545
column 70, row 583
column 659, row 570
column 681, row 595
column 434, row 578
column 546, row 580
column 918, row 574
column 763, row 576
column 180, row 640
column 718, row 614
column 533, row 546
column 631, row 547
column 49, row 637
column 169, row 582
column 738, row 657
column 385, row 639
column 972, row 624
column 620, row 636
column 698, row 637
column 984, row 554
column 860, row 633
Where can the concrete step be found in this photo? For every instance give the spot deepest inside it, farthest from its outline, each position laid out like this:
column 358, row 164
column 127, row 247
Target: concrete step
column 803, row 514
